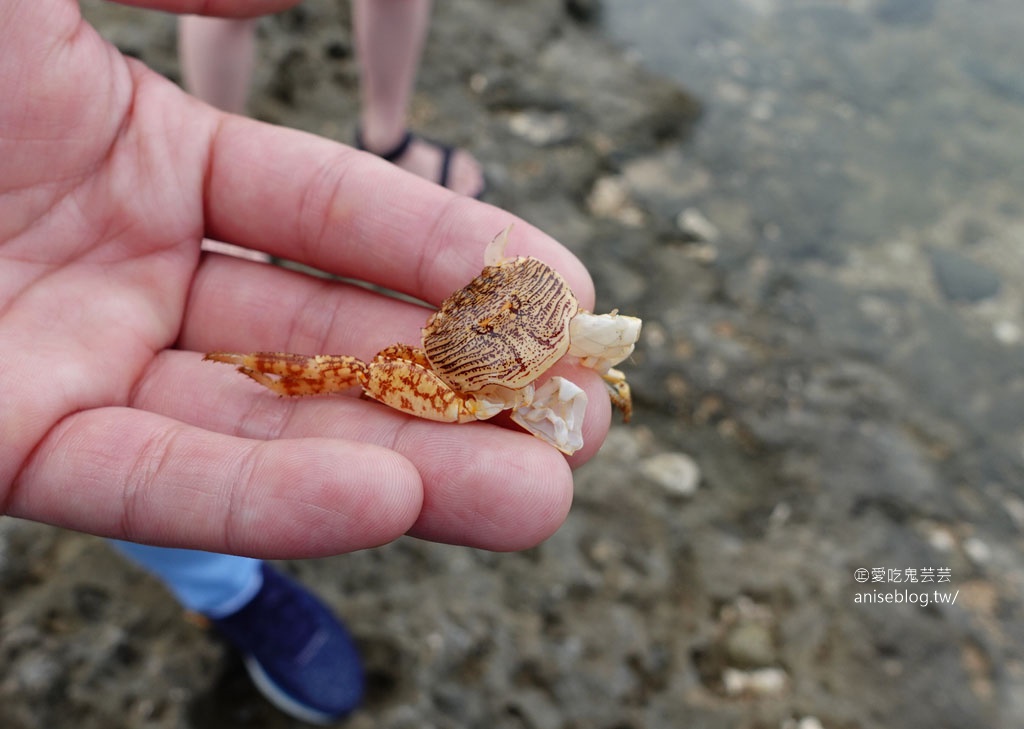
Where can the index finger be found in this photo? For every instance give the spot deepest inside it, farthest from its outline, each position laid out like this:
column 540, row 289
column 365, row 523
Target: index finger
column 221, row 8
column 304, row 198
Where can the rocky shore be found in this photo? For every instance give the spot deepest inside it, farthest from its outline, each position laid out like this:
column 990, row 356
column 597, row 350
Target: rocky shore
column 803, row 412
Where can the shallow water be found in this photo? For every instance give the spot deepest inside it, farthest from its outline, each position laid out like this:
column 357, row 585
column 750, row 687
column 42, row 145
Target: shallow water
column 871, row 151
column 847, row 122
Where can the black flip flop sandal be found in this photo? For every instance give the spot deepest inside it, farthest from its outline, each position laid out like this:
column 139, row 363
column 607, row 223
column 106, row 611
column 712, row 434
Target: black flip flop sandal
column 395, row 153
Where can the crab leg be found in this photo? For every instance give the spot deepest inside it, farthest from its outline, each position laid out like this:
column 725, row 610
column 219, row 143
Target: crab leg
column 400, row 377
column 297, row 374
column 618, row 391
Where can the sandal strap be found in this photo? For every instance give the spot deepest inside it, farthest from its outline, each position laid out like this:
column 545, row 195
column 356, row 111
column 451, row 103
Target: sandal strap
column 390, row 155
column 446, row 163
column 394, row 154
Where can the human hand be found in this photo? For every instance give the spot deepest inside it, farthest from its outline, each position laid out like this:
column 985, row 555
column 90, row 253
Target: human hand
column 110, row 177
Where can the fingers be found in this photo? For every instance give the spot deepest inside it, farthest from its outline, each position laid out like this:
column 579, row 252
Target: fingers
column 242, row 306
column 124, row 473
column 222, row 8
column 344, row 211
column 483, row 485
column 230, row 309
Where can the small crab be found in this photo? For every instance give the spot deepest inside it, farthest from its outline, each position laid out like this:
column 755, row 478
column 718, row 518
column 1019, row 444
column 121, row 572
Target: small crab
column 482, row 353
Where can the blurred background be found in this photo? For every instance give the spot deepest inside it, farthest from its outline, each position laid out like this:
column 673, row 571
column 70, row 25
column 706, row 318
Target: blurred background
column 816, row 208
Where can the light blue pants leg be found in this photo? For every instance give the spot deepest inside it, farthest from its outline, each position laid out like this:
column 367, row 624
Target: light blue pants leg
column 212, row 584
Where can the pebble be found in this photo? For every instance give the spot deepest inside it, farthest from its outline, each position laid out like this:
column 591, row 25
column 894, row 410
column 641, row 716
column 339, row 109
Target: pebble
column 35, row 673
column 610, row 199
column 537, row 709
column 1006, row 332
column 539, row 128
column 608, row 194
column 695, row 224
column 703, row 253
column 750, row 645
column 677, row 473
column 807, row 722
column 1015, row 507
column 759, row 682
column 941, row 539
column 479, row 83
column 780, row 514
column 977, row 550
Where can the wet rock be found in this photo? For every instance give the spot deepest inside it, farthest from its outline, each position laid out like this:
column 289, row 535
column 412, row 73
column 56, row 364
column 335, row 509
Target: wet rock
column 34, row 673
column 998, row 78
column 584, row 11
column 962, row 279
column 537, row 710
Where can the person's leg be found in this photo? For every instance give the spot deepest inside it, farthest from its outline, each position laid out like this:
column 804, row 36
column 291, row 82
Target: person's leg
column 211, row 584
column 217, row 58
column 389, row 37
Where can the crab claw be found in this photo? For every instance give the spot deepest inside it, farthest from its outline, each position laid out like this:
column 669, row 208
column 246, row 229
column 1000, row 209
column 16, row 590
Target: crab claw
column 555, row 415
column 603, row 340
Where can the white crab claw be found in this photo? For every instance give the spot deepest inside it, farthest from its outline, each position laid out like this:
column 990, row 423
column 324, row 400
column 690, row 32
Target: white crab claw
column 555, row 415
column 602, row 340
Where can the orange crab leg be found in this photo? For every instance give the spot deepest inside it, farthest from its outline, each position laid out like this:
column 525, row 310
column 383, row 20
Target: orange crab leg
column 297, row 374
column 400, row 377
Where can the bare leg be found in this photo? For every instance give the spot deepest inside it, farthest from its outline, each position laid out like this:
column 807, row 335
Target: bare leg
column 217, row 59
column 389, row 42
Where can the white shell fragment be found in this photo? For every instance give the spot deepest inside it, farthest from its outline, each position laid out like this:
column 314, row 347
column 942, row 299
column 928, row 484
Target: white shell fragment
column 555, row 415
column 602, row 341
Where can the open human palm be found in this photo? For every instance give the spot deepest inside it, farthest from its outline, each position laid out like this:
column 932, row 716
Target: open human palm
column 110, row 178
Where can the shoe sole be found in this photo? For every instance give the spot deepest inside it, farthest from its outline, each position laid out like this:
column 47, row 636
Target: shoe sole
column 273, row 693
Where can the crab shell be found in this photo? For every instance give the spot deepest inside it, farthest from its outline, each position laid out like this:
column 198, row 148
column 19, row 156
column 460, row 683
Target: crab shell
column 492, row 339
column 504, row 329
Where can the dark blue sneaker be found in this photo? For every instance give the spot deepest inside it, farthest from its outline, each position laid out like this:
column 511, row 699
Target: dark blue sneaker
column 297, row 652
